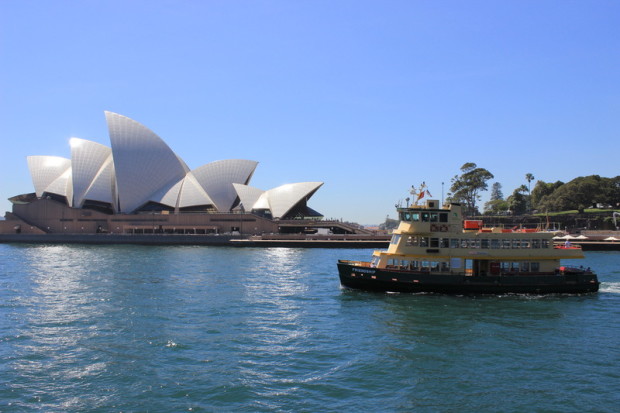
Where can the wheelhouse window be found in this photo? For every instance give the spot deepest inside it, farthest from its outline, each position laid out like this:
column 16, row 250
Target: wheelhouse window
column 425, row 217
column 415, row 216
column 434, row 217
column 443, row 217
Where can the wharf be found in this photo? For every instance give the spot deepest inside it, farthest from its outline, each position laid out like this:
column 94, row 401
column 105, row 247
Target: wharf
column 598, row 245
column 281, row 241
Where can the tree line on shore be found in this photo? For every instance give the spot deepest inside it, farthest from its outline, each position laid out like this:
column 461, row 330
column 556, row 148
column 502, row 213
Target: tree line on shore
column 545, row 197
column 579, row 194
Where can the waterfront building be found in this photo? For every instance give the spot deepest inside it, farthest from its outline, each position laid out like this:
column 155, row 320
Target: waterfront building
column 139, row 183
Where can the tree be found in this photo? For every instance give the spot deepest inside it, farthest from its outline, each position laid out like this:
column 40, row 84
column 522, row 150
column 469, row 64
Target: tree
column 581, row 193
column 542, row 191
column 496, row 205
column 496, row 192
column 517, row 201
column 467, row 186
column 529, row 178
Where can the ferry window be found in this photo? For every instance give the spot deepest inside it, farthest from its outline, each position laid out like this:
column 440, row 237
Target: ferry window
column 434, row 266
column 484, row 243
column 525, row 267
column 423, row 241
column 409, row 240
column 444, row 243
column 415, row 216
column 464, row 243
column 505, row 266
column 395, row 239
column 374, row 261
column 454, row 243
column 505, row 243
column 434, row 242
column 444, row 266
column 443, row 217
column 407, row 216
column 425, row 217
column 516, row 243
column 515, row 267
column 526, row 243
column 535, row 243
column 545, row 243
column 474, row 243
column 425, row 265
column 434, row 217
column 534, row 266
column 495, row 244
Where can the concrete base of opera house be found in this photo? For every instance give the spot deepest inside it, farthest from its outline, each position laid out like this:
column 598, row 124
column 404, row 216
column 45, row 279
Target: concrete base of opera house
column 50, row 221
column 209, row 240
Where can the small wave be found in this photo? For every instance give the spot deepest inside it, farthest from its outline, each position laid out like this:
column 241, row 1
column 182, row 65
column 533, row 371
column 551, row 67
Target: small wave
column 610, row 288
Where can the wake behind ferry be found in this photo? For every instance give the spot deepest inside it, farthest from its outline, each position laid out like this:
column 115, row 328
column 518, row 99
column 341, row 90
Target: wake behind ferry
column 435, row 250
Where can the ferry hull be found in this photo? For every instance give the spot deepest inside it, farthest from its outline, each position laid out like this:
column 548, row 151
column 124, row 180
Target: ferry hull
column 383, row 280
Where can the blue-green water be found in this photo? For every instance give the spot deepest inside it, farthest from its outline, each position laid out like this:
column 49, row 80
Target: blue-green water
column 163, row 329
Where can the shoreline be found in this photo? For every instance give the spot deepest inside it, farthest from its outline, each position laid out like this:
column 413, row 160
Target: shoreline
column 179, row 239
column 350, row 241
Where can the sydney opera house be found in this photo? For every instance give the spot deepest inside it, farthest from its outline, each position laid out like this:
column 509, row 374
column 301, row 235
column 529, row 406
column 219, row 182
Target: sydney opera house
column 139, row 185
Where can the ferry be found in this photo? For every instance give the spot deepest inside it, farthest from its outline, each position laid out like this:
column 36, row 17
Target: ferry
column 435, row 250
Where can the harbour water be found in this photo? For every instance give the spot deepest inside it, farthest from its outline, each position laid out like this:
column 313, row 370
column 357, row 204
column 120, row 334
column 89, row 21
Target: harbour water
column 161, row 329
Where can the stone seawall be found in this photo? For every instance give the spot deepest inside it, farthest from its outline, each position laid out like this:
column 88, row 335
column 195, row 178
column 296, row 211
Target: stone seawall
column 210, row 240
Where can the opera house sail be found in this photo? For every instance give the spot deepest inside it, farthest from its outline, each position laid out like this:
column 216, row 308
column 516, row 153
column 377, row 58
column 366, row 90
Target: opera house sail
column 140, row 174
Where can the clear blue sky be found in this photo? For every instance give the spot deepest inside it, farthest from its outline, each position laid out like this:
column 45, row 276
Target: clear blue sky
column 369, row 97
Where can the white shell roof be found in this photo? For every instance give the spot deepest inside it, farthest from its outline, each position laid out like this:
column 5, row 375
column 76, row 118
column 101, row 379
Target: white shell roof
column 217, row 179
column 62, row 186
column 44, row 170
column 193, row 193
column 283, row 198
column 140, row 167
column 279, row 200
column 102, row 188
column 88, row 161
column 248, row 196
column 143, row 163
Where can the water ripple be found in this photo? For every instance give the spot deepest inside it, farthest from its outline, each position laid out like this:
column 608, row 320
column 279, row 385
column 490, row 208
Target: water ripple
column 130, row 328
